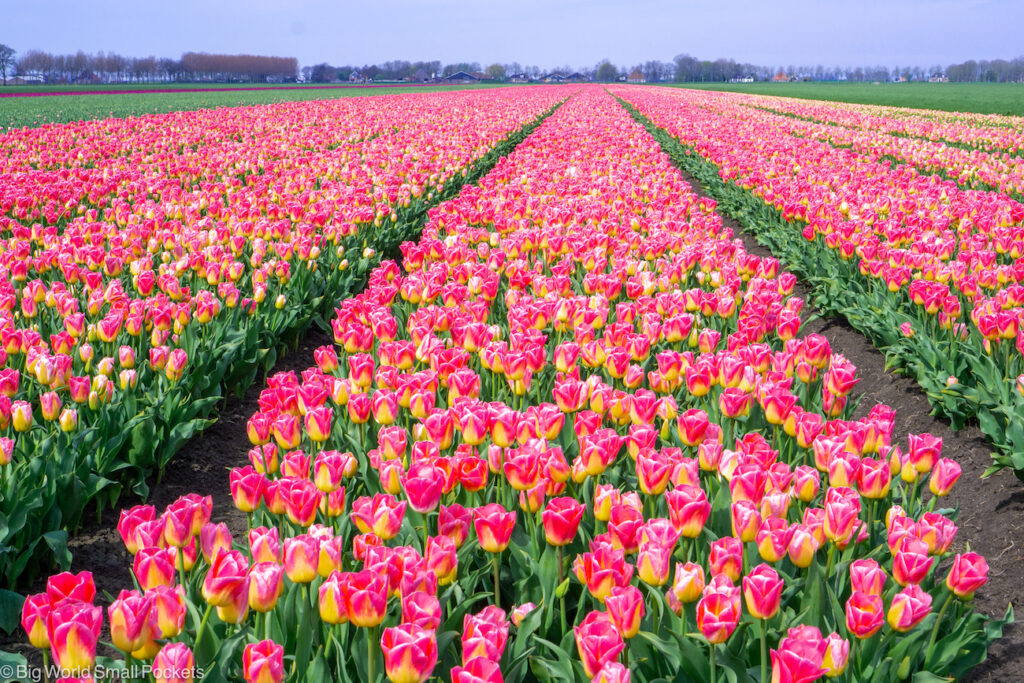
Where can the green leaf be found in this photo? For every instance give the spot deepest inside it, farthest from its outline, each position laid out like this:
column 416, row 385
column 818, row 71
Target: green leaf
column 10, row 610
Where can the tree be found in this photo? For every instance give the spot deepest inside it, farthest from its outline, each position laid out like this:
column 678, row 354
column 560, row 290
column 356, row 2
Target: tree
column 495, row 72
column 606, row 72
column 6, row 60
column 323, row 73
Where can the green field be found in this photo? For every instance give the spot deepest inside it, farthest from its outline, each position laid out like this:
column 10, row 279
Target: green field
column 16, row 112
column 983, row 98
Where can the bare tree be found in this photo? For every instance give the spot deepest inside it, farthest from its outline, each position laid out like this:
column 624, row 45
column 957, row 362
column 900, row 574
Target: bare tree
column 6, row 60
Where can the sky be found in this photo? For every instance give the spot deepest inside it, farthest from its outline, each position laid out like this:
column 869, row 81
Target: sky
column 549, row 33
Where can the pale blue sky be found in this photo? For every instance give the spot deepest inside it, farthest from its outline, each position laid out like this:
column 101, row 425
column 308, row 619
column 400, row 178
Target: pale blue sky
column 542, row 32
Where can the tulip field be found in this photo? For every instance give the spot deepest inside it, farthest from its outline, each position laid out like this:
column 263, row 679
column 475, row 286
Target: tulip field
column 570, row 427
column 913, row 235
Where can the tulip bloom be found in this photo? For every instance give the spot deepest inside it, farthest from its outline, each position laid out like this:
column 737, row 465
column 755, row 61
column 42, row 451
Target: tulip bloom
column 653, row 564
column 410, row 653
column 442, row 559
column 454, row 522
column 424, row 484
column 561, row 519
column 381, row 515
column 717, row 616
column 794, row 662
column 73, row 630
column 493, row 526
column 726, row 557
column 422, row 609
column 909, row 608
column 175, row 663
column 477, row 670
column 228, row 575
column 266, row 585
column 519, row 613
column 366, row 598
column 35, row 615
column 762, row 592
column 154, row 567
column 66, row 586
column 837, row 654
column 968, row 573
column 867, row 576
column 944, row 475
column 691, row 426
column 263, row 662
column 911, row 563
column 598, row 642
column 688, row 509
column 132, row 621
column 246, row 488
column 864, row 614
column 626, row 609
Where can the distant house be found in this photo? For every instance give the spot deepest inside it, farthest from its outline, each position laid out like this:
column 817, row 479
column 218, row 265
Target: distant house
column 742, row 79
column 576, row 77
column 553, row 78
column 636, row 77
column 938, row 78
column 780, row 77
column 461, row 77
column 356, row 77
column 26, row 79
column 518, row 78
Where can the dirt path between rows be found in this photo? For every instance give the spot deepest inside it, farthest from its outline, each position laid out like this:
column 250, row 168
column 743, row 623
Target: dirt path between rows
column 991, row 510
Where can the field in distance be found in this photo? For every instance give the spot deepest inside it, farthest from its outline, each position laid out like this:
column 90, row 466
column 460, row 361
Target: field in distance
column 16, row 112
column 983, row 98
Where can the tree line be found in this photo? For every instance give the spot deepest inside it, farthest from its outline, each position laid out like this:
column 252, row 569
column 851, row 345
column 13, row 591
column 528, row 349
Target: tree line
column 106, row 67
column 200, row 66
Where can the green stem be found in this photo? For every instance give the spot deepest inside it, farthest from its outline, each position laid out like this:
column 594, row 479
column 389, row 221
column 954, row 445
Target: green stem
column 871, row 523
column 764, row 651
column 46, row 666
column 202, row 624
column 561, row 600
column 371, row 663
column 935, row 631
column 497, row 585
column 714, row 673
column 426, row 531
column 181, row 568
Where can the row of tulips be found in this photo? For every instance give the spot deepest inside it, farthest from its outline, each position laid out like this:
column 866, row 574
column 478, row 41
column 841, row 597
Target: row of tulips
column 575, row 436
column 972, row 169
column 930, row 272
column 153, row 264
column 993, row 133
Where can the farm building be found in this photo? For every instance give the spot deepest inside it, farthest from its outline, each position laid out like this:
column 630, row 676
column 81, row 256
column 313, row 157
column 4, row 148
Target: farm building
column 461, row 77
column 636, row 77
